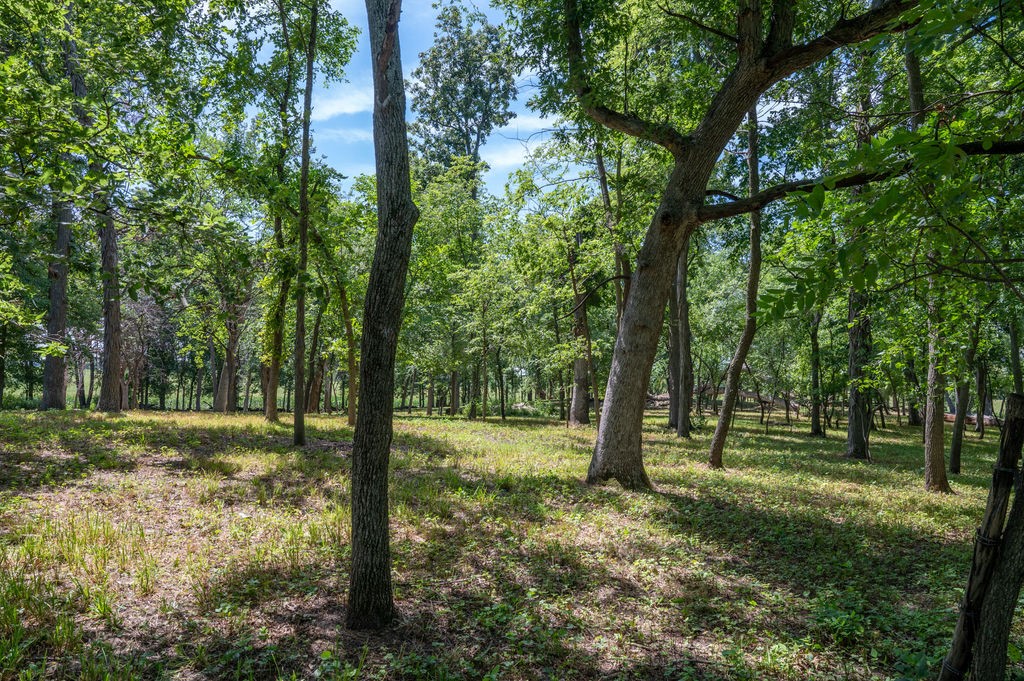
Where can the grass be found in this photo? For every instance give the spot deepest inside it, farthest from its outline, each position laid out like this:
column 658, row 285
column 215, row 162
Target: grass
column 206, row 547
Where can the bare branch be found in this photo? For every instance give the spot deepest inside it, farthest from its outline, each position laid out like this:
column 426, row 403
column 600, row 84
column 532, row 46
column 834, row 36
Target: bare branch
column 699, row 24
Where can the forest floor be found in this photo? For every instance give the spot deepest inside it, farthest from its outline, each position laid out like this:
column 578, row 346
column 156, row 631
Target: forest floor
column 205, row 547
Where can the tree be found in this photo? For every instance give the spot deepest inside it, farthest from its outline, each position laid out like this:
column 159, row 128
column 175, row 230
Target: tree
column 767, row 49
column 371, row 603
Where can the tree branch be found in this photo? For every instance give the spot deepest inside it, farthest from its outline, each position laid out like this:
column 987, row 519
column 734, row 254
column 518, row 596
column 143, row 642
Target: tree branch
column 663, row 135
column 762, row 199
column 699, row 24
column 882, row 19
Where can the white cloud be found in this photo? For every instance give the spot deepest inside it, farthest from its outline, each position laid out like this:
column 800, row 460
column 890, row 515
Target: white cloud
column 347, row 99
column 344, row 135
column 505, row 155
column 524, row 124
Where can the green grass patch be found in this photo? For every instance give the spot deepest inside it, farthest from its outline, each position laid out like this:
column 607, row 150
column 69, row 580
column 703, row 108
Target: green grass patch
column 198, row 546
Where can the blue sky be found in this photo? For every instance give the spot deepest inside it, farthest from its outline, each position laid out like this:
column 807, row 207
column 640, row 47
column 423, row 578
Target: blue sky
column 342, row 113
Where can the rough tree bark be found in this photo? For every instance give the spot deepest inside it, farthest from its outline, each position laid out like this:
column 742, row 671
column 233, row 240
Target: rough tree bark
column 997, row 567
column 110, row 384
column 370, row 602
column 732, row 380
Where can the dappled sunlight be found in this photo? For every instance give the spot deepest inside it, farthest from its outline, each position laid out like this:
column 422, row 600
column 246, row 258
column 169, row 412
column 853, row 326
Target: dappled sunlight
column 201, row 544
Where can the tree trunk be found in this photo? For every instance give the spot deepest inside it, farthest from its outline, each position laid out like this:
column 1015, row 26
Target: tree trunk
column 299, row 416
column 980, row 373
column 858, row 424
column 1018, row 382
column 371, row 604
column 579, row 406
column 674, row 370
column 732, row 381
column 914, row 395
column 684, row 424
column 3, row 362
column 272, row 380
column 816, row 426
column 963, row 396
column 225, row 397
column 110, row 385
column 501, row 380
column 934, row 447
column 350, row 355
column 199, row 388
column 313, row 384
column 248, row 389
column 453, row 408
column 994, row 580
column 54, row 366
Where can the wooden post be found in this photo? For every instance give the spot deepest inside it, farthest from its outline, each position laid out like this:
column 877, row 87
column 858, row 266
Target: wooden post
column 987, row 542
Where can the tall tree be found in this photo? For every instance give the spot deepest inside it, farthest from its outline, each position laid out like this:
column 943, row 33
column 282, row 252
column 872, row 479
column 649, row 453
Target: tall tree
column 370, row 600
column 732, row 377
column 299, row 424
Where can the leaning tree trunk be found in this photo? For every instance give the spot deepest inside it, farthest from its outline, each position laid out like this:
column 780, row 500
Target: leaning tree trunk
column 370, row 602
column 55, row 366
column 997, row 568
column 732, row 380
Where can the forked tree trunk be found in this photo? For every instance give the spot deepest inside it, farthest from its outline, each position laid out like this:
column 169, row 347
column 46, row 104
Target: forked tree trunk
column 732, row 380
column 579, row 405
column 370, row 600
